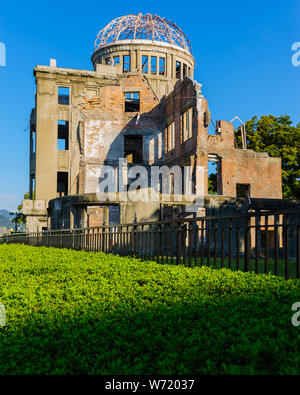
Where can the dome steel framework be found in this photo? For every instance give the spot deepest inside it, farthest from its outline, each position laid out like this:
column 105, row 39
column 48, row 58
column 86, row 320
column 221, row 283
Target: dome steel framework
column 142, row 27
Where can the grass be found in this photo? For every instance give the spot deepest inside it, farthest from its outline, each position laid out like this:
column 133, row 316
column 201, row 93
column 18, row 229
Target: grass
column 292, row 269
column 75, row 312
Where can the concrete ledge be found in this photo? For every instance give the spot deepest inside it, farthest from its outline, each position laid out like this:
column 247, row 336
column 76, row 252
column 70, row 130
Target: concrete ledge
column 34, row 207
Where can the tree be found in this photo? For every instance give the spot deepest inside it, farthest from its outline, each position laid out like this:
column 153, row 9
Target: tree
column 277, row 137
column 212, row 184
column 19, row 217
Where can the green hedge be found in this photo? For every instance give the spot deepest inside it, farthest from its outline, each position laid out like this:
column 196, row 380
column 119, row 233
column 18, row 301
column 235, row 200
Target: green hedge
column 71, row 312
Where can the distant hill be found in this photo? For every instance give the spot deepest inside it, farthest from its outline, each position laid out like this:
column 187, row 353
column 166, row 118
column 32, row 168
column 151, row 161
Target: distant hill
column 5, row 219
column 5, row 213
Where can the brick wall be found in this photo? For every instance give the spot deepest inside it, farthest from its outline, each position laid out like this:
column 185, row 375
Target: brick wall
column 236, row 166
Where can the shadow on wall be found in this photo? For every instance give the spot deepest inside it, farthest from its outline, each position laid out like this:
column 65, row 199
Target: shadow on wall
column 143, row 130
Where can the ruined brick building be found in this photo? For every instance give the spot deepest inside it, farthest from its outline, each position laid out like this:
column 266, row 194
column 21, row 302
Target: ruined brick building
column 141, row 103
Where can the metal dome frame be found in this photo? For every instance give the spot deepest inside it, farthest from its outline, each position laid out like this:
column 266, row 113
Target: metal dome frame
column 142, row 27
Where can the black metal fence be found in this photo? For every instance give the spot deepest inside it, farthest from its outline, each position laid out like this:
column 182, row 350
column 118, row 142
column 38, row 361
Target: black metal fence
column 260, row 242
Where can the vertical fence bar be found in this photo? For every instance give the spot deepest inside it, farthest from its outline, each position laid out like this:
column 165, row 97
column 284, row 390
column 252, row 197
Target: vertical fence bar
column 172, row 235
column 178, row 243
column 238, row 241
column 157, row 244
column 110, row 239
column 167, row 236
column 161, row 243
column 104, row 240
column 127, row 240
column 266, row 244
column 147, row 252
column 183, row 241
column 189, row 238
column 142, row 242
column 202, row 242
column 208, row 230
column 247, row 247
column 215, row 243
column 298, row 252
column 230, row 244
column 276, row 241
column 152, row 251
column 119, row 240
column 222, row 246
column 286, row 246
column 134, row 240
column 196, row 238
column 257, row 230
column 97, row 240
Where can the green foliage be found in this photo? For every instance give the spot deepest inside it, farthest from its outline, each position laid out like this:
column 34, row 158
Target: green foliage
column 277, row 137
column 212, row 184
column 20, row 218
column 71, row 312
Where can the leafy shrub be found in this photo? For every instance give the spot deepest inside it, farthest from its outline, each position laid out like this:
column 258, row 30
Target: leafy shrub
column 72, row 312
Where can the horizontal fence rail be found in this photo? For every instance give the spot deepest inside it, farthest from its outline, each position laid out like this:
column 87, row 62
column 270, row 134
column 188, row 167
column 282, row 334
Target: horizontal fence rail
column 267, row 242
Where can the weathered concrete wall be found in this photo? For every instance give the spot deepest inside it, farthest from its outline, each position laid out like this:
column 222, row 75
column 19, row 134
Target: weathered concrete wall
column 106, row 124
column 36, row 215
column 136, row 49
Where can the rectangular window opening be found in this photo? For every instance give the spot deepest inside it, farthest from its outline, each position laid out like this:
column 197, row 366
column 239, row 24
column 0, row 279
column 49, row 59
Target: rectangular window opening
column 33, row 142
column 145, row 61
column 63, row 135
column 63, row 95
column 116, row 60
column 132, row 102
column 187, row 124
column 77, row 185
column 170, row 137
column 62, row 184
column 242, row 190
column 212, row 178
column 162, row 66
column 153, row 65
column 133, row 148
column 108, row 61
column 184, row 70
column 126, row 63
column 178, row 70
column 32, row 188
column 214, row 175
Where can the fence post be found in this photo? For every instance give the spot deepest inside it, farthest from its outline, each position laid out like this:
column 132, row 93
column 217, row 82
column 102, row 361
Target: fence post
column 178, row 246
column 134, row 237
column 298, row 251
column 247, row 245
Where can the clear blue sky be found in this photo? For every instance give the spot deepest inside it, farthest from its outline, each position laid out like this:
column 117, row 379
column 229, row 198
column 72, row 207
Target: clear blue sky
column 242, row 51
